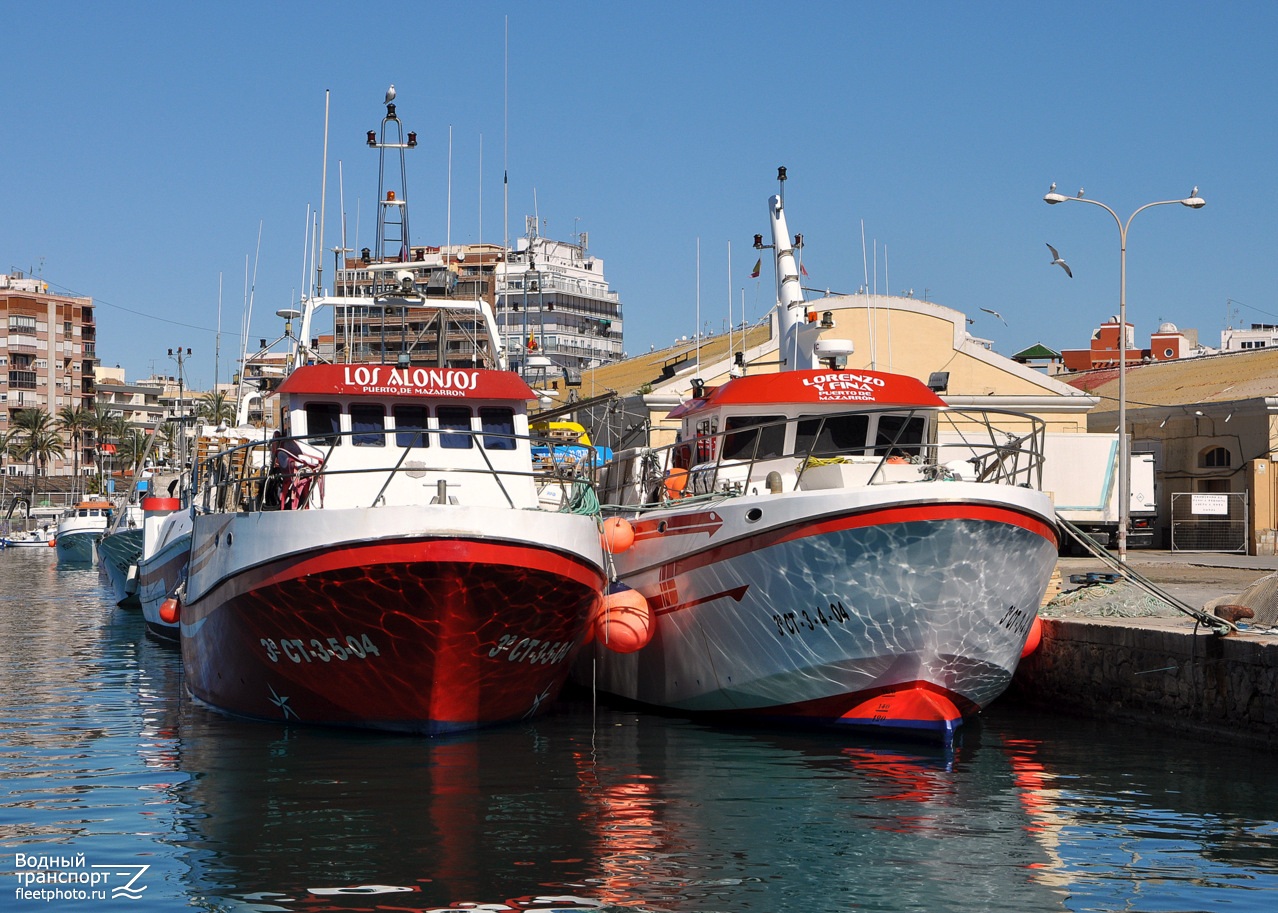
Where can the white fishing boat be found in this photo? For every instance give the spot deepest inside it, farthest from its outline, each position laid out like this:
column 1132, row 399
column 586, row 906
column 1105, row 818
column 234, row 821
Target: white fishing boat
column 166, row 552
column 393, row 560
column 80, row 529
column 826, row 546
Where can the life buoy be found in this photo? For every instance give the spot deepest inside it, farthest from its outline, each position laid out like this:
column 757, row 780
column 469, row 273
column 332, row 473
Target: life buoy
column 676, row 481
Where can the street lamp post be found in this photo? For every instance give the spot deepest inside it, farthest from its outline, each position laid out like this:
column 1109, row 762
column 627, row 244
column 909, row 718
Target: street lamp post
column 1193, row 201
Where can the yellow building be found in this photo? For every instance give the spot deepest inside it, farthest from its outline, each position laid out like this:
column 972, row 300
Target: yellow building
column 901, row 335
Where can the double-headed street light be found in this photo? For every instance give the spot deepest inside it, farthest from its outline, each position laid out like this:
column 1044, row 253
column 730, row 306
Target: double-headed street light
column 1193, row 201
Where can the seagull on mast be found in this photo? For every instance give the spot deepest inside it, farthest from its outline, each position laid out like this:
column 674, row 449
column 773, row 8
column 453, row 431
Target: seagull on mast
column 1057, row 261
column 390, row 94
column 996, row 314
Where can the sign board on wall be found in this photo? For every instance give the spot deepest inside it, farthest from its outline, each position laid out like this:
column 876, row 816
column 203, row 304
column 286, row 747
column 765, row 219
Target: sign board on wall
column 1214, row 505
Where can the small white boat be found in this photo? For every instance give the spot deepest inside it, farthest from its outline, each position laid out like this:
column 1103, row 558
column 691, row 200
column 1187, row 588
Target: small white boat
column 39, row 537
column 79, row 531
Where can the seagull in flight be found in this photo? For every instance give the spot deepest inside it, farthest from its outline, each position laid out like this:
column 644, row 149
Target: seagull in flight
column 1057, row 261
column 996, row 314
column 390, row 94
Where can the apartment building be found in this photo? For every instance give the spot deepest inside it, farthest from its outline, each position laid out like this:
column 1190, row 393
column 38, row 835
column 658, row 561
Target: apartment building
column 47, row 354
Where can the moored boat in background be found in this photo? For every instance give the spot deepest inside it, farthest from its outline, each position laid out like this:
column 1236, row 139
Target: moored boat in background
column 80, row 529
column 162, row 568
column 119, row 551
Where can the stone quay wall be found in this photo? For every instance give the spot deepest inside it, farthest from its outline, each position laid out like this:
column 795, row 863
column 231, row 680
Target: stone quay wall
column 1164, row 672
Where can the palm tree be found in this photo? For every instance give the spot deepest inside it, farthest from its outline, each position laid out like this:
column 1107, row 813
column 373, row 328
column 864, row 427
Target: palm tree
column 168, row 441
column 75, row 421
column 131, row 447
column 6, row 441
column 215, row 408
column 107, row 426
column 39, row 442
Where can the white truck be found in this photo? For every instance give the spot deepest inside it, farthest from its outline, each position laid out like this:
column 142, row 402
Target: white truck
column 1080, row 473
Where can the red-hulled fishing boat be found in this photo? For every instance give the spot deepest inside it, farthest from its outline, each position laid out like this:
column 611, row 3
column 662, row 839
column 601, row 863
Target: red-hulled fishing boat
column 393, row 560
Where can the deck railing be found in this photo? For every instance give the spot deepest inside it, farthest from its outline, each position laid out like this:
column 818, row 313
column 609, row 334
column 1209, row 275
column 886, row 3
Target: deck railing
column 247, row 476
column 976, row 445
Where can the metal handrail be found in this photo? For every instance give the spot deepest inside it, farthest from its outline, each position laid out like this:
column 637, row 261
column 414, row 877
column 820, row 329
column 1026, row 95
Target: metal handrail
column 1009, row 457
column 227, row 477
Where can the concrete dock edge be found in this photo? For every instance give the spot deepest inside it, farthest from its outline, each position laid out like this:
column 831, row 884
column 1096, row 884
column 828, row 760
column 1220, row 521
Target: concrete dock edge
column 1162, row 672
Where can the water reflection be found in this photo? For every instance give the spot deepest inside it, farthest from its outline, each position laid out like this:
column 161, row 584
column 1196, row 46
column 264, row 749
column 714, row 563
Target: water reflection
column 614, row 810
column 101, row 754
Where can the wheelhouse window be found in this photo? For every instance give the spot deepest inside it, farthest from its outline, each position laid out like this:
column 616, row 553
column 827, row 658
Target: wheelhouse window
column 902, row 433
column 454, row 427
column 368, row 426
column 745, row 440
column 410, row 426
column 832, row 434
column 499, row 428
column 324, row 422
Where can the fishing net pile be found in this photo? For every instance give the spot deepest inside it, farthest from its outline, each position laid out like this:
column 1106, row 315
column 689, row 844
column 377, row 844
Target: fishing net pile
column 1261, row 597
column 1115, row 599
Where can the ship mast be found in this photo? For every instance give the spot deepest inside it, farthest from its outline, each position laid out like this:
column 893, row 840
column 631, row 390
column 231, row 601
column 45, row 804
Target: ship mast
column 797, row 330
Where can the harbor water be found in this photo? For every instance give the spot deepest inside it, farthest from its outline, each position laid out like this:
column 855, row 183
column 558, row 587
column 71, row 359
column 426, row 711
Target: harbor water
column 117, row 792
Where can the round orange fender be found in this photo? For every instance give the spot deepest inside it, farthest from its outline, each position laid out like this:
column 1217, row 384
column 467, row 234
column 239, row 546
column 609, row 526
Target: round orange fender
column 1035, row 636
column 625, row 623
column 617, row 536
column 676, row 480
column 170, row 611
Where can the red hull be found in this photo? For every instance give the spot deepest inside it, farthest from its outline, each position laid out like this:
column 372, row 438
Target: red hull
column 426, row 636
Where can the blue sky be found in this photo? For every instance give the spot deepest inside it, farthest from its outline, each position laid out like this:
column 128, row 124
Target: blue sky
column 146, row 142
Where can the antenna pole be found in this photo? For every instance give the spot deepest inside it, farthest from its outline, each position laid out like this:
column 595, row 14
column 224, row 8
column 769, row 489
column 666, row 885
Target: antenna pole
column 319, row 260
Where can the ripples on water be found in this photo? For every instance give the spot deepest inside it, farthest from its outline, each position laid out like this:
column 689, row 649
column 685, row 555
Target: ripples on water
column 101, row 755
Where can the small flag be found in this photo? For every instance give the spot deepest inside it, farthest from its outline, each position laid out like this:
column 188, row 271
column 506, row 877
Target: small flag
column 758, row 265
column 803, row 269
column 532, row 342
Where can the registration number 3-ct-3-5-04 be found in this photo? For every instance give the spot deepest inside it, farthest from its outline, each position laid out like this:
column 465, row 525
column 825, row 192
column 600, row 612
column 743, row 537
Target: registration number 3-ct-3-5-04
column 324, row 651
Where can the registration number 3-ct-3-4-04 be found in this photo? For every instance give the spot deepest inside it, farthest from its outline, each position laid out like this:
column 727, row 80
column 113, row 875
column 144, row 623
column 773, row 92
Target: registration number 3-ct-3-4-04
column 316, row 650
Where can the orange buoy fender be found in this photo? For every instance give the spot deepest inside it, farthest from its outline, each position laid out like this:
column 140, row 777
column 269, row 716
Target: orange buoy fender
column 1035, row 635
column 625, row 624
column 170, row 611
column 676, row 481
column 618, row 535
